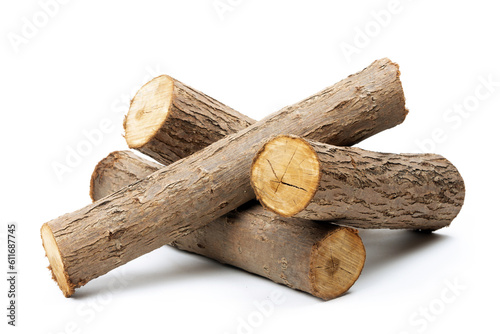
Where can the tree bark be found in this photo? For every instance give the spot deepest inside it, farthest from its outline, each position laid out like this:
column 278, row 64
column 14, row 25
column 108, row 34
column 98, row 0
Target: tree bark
column 296, row 177
column 196, row 190
column 321, row 259
column 168, row 120
column 118, row 170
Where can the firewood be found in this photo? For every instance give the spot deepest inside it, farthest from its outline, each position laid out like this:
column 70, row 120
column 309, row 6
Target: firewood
column 292, row 176
column 168, row 120
column 194, row 191
column 321, row 259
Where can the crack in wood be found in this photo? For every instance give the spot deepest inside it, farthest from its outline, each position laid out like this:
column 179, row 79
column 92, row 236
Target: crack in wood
column 288, row 184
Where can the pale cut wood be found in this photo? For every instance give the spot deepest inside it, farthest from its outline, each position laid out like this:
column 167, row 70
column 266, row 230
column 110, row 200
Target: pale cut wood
column 190, row 193
column 55, row 259
column 168, row 120
column 321, row 259
column 292, row 176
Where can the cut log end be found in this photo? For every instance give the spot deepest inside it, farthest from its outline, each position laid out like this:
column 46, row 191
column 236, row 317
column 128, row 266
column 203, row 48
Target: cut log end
column 148, row 111
column 336, row 263
column 285, row 175
column 56, row 263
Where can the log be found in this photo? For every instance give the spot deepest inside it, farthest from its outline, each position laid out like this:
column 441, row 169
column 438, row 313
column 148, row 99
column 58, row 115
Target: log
column 321, row 259
column 190, row 193
column 296, row 177
column 117, row 170
column 168, row 120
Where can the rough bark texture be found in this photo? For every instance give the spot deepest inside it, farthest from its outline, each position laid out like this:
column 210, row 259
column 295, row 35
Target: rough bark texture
column 321, row 259
column 355, row 187
column 193, row 120
column 196, row 190
column 117, row 170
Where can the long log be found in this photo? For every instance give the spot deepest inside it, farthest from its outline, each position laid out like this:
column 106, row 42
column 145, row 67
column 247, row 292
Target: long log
column 196, row 190
column 321, row 259
column 292, row 176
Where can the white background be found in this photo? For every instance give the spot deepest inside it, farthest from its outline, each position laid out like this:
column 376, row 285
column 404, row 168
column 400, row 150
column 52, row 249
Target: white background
column 81, row 66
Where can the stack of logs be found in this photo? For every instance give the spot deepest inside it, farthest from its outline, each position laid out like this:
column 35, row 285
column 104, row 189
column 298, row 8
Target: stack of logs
column 314, row 189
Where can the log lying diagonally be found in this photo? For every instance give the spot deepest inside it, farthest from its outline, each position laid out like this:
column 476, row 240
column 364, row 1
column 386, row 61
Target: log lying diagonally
column 169, row 120
column 194, row 191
